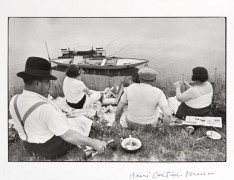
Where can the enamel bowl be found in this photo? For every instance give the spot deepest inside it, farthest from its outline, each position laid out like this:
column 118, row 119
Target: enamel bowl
column 131, row 145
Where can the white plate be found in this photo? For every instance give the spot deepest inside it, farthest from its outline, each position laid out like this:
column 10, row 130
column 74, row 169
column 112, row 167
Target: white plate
column 213, row 135
column 126, row 144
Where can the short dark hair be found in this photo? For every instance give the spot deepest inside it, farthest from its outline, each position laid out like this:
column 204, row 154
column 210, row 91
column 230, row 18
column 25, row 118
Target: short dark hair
column 28, row 81
column 200, row 74
column 135, row 78
column 73, row 71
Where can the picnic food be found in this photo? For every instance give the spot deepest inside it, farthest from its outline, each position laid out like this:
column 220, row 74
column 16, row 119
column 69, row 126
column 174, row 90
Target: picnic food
column 131, row 145
column 108, row 93
column 90, row 152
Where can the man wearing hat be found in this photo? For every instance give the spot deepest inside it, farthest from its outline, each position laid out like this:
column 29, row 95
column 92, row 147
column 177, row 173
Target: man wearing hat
column 142, row 100
column 44, row 129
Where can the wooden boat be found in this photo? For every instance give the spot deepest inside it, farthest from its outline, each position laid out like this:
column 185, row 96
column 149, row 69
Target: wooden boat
column 96, row 59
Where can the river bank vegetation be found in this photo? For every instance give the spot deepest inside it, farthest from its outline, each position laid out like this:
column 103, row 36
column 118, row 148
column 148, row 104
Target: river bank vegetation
column 178, row 145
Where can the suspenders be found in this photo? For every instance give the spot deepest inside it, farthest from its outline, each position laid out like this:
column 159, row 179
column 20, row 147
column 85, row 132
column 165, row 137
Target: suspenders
column 28, row 112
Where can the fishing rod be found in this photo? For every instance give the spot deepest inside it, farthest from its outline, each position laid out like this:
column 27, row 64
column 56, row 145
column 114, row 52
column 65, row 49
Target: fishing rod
column 121, row 49
column 47, row 51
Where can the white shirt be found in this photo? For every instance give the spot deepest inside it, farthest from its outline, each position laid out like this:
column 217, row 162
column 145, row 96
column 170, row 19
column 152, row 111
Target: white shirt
column 143, row 100
column 43, row 123
column 73, row 89
column 205, row 93
column 200, row 102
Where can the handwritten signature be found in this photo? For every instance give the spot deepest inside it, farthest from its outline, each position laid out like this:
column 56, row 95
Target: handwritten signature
column 168, row 174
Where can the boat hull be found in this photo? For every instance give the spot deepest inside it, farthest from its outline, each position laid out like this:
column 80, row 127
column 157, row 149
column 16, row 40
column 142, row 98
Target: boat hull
column 121, row 63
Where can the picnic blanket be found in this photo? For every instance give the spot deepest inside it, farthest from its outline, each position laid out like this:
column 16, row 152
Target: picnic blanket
column 70, row 112
column 80, row 124
column 174, row 104
column 81, row 119
column 105, row 113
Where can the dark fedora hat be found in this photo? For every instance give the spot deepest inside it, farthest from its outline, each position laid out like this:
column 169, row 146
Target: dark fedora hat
column 37, row 68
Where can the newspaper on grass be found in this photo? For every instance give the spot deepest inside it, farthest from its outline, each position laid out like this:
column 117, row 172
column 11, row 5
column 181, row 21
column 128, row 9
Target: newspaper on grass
column 203, row 121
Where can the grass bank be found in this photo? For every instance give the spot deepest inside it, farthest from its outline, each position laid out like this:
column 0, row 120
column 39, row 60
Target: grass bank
column 177, row 146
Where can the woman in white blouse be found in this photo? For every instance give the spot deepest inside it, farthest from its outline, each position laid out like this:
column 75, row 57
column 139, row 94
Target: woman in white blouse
column 77, row 95
column 197, row 99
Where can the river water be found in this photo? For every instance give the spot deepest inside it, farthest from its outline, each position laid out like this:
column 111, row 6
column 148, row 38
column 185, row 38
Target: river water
column 174, row 46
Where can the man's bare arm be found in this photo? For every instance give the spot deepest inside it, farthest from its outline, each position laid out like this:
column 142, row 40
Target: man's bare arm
column 76, row 138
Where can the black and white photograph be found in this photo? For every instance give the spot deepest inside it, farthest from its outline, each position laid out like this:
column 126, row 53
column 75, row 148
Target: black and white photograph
column 116, row 90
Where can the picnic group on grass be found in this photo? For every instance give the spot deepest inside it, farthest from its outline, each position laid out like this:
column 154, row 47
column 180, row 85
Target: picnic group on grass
column 47, row 132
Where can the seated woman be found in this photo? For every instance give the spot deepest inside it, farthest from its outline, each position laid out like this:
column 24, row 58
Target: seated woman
column 77, row 95
column 197, row 99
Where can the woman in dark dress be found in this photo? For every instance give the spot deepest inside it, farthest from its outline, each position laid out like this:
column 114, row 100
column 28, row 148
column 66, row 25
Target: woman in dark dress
column 197, row 99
